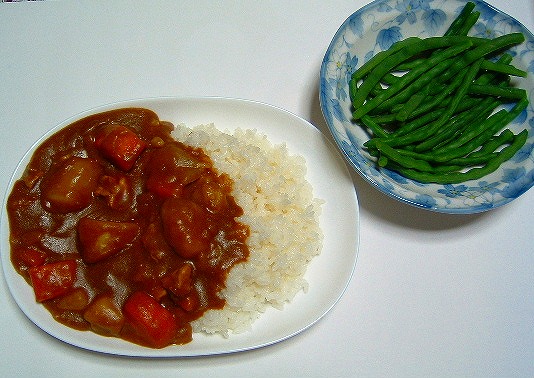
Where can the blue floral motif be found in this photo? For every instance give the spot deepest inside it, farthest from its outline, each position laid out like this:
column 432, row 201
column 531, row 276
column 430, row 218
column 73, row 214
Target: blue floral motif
column 350, row 66
column 387, row 185
column 347, row 147
column 387, row 37
column 521, row 118
column 516, row 188
column 353, row 139
column 511, row 175
column 406, row 9
column 528, row 50
column 486, row 187
column 384, row 7
column 356, row 25
column 434, row 20
column 368, row 56
column 453, row 191
column 421, row 4
column 483, row 206
column 337, row 111
column 485, row 30
column 339, row 84
column 397, row 177
column 524, row 153
column 425, row 200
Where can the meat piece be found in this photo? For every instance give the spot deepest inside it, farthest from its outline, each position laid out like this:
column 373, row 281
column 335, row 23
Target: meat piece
column 185, row 226
column 171, row 168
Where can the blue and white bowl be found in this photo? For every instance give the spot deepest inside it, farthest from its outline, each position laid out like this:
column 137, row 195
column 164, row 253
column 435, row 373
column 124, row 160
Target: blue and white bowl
column 376, row 27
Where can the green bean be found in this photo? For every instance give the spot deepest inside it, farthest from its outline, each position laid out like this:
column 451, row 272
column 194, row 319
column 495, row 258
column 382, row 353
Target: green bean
column 407, row 128
column 389, row 79
column 376, row 129
column 417, row 123
column 409, row 64
column 468, row 24
column 428, row 104
column 443, row 93
column 425, row 107
column 476, row 136
column 441, row 169
column 383, row 118
column 482, row 50
column 463, row 120
column 493, row 76
column 418, row 134
column 381, row 56
column 457, row 155
column 419, row 81
column 353, row 87
column 503, row 68
column 467, row 141
column 406, row 161
column 362, row 109
column 469, row 146
column 495, row 44
column 411, row 105
column 458, row 124
column 487, row 151
column 436, row 103
column 460, row 19
column 506, row 136
column 443, row 97
column 414, row 47
column 496, row 91
column 376, row 90
column 421, row 120
column 416, row 86
column 439, row 100
column 472, row 160
column 473, row 173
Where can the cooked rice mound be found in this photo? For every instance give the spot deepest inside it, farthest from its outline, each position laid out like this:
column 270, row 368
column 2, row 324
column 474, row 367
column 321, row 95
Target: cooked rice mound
column 283, row 217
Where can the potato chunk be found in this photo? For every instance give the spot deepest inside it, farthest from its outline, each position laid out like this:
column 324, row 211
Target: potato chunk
column 185, row 226
column 104, row 316
column 69, row 186
column 171, row 168
column 101, row 239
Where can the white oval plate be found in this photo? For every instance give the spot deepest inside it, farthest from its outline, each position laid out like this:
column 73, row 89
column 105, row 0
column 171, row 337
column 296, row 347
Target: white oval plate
column 328, row 274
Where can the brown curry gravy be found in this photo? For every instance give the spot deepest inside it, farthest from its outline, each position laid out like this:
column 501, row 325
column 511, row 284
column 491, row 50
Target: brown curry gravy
column 168, row 180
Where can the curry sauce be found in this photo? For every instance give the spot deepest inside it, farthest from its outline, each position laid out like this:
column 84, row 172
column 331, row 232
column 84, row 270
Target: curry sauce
column 122, row 230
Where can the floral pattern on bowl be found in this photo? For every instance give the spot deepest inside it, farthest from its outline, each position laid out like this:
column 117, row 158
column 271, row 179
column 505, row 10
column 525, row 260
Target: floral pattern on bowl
column 376, row 27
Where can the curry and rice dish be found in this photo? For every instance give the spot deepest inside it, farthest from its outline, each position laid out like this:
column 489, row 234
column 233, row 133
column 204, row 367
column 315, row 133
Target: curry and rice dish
column 132, row 227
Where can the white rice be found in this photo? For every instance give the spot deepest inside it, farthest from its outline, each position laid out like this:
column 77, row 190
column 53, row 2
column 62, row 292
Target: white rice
column 283, row 217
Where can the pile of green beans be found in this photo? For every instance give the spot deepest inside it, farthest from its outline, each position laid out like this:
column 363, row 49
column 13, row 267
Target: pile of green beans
column 430, row 105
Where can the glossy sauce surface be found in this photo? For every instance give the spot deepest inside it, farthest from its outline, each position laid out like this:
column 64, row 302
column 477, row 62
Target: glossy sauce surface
column 124, row 231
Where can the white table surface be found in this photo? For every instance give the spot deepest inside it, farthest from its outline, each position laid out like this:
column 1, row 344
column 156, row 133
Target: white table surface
column 432, row 295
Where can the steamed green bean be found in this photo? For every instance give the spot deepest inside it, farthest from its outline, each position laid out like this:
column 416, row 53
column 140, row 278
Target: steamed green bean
column 432, row 106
